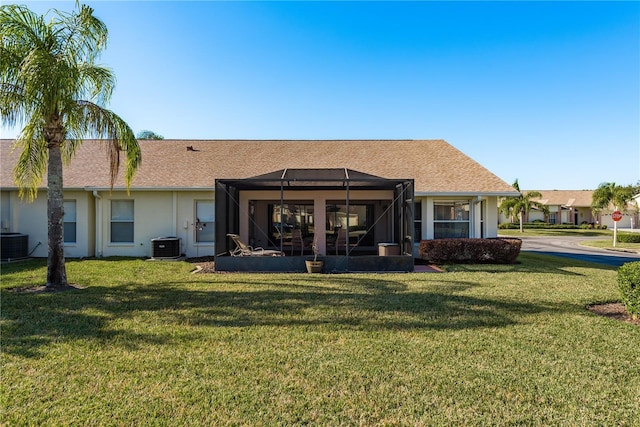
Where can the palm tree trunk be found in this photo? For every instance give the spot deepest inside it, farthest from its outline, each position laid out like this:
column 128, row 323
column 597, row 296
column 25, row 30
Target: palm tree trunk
column 56, row 270
column 520, row 218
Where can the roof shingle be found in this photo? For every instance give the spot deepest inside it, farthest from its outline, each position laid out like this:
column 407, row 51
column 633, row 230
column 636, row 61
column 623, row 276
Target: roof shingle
column 435, row 165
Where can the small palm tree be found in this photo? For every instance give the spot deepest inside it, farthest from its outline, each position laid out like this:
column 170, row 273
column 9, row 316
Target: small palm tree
column 522, row 205
column 607, row 194
column 50, row 86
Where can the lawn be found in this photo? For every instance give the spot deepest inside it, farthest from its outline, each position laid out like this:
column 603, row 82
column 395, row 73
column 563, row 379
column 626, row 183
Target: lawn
column 576, row 232
column 148, row 343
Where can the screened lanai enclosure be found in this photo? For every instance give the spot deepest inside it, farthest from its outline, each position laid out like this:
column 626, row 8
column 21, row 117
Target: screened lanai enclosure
column 355, row 221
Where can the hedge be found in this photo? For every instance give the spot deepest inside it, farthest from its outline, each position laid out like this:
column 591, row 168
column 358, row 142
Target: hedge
column 535, row 225
column 628, row 237
column 473, row 251
column 629, row 286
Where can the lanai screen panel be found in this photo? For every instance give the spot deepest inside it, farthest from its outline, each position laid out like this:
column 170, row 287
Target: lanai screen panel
column 227, row 195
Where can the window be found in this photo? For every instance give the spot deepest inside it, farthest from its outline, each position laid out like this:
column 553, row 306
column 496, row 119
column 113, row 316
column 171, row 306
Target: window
column 205, row 227
column 69, row 221
column 360, row 219
column 451, row 219
column 291, row 216
column 552, row 218
column 417, row 221
column 122, row 221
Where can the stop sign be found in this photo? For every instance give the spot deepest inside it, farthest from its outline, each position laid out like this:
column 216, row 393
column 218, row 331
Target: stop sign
column 616, row 216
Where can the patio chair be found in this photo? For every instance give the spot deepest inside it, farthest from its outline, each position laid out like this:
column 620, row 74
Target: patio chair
column 242, row 249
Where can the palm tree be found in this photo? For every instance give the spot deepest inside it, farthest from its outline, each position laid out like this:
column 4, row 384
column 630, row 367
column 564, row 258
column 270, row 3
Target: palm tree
column 51, row 88
column 607, row 194
column 522, row 204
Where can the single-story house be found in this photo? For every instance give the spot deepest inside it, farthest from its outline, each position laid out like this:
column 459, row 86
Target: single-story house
column 565, row 207
column 574, row 207
column 273, row 194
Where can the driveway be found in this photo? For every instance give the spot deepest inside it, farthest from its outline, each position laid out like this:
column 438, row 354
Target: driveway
column 569, row 247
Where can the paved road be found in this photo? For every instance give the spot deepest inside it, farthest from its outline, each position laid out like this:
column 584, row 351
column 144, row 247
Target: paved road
column 569, row 247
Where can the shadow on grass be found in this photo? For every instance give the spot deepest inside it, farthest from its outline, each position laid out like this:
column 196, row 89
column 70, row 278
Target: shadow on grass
column 539, row 262
column 130, row 315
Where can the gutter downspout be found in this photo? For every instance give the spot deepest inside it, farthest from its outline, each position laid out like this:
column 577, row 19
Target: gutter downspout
column 98, row 199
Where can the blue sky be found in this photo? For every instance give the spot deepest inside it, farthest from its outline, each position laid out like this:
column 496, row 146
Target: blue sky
column 545, row 92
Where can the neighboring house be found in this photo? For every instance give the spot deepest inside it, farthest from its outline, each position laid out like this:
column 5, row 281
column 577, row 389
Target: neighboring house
column 574, row 207
column 174, row 194
column 565, row 207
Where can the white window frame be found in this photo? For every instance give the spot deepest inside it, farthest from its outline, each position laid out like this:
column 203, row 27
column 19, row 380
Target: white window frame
column 453, row 203
column 66, row 220
column 127, row 220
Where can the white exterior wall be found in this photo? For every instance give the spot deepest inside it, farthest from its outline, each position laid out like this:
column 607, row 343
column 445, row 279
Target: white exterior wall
column 478, row 226
column 172, row 213
column 30, row 218
column 156, row 214
column 625, row 222
column 21, row 216
column 85, row 225
column 491, row 216
column 152, row 217
column 185, row 223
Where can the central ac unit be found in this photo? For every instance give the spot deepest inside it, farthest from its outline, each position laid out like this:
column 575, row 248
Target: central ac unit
column 165, row 247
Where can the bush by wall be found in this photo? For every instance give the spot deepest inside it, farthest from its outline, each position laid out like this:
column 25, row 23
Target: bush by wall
column 531, row 225
column 629, row 286
column 629, row 237
column 472, row 251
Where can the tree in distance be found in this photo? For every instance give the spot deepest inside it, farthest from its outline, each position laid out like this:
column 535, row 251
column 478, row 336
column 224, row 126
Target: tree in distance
column 148, row 134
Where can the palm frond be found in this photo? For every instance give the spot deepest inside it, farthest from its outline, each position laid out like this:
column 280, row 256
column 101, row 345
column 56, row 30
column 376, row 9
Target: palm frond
column 82, row 35
column 96, row 82
column 100, row 123
column 32, row 163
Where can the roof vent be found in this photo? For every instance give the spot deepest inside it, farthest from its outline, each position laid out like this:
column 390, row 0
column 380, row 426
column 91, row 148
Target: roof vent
column 190, row 148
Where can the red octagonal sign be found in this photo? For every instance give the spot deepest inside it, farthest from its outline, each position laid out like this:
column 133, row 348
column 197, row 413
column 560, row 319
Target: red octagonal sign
column 616, row 216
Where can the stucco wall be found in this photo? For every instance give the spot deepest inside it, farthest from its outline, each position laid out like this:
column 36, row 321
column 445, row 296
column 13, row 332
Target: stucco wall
column 21, row 216
column 185, row 223
column 156, row 214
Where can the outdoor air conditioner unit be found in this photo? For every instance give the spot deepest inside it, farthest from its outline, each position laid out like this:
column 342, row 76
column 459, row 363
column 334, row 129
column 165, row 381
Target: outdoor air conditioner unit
column 165, row 247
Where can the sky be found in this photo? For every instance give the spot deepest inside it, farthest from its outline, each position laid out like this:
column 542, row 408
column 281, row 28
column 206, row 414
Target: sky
column 544, row 92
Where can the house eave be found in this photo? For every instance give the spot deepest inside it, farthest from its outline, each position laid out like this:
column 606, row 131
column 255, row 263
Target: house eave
column 135, row 189
column 466, row 194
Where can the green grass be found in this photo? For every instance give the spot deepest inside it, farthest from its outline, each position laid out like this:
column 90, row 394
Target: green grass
column 555, row 232
column 150, row 343
column 608, row 244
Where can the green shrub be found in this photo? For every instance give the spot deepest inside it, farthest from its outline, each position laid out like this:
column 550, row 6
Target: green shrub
column 536, row 225
column 629, row 237
column 629, row 285
column 564, row 226
column 473, row 251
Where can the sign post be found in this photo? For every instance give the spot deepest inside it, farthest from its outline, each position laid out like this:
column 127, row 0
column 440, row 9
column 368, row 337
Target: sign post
column 615, row 216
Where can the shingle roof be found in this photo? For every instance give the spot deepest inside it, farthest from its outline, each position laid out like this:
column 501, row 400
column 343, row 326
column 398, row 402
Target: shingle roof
column 435, row 165
column 568, row 198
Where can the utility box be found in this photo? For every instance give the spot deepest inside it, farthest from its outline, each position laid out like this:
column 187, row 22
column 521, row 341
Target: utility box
column 165, row 247
column 388, row 249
